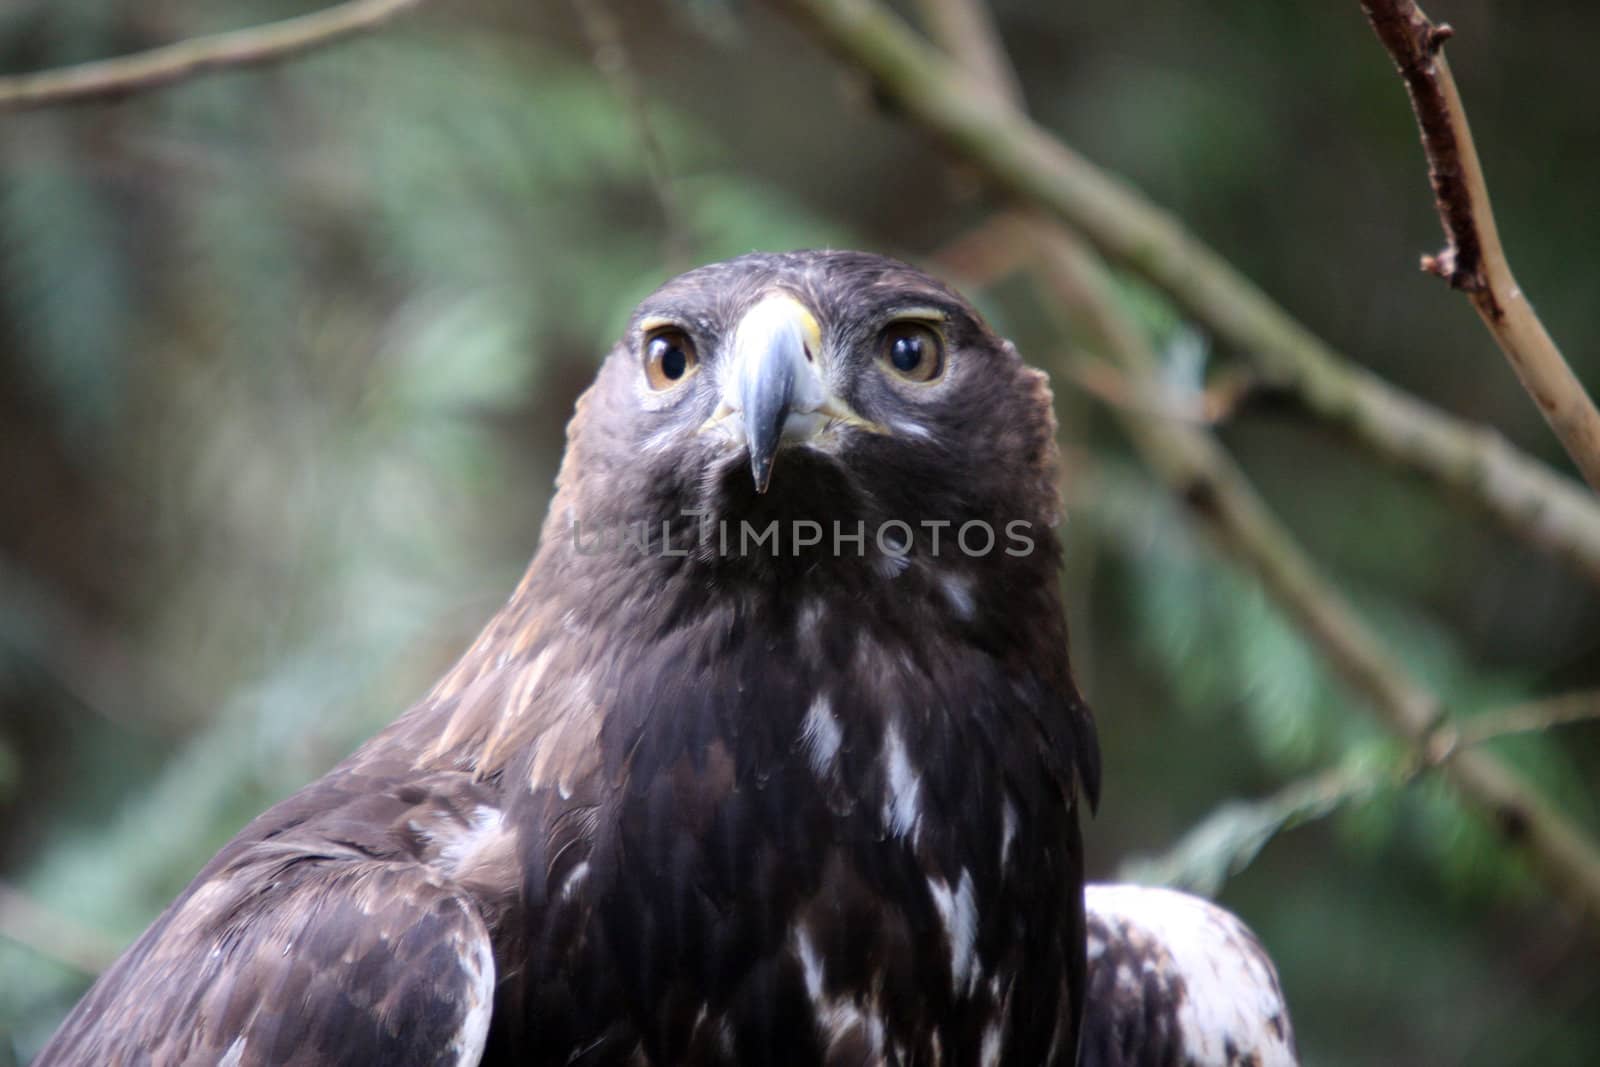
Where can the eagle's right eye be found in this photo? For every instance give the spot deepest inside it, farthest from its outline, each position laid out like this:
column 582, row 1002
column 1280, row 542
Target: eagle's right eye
column 669, row 357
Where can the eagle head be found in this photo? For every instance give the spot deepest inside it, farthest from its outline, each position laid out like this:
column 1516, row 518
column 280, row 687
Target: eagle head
column 831, row 416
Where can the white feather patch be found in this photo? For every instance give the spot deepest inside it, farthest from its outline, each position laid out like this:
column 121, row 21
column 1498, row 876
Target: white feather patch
column 837, row 1018
column 574, row 879
column 460, row 852
column 820, row 735
column 1008, row 830
column 911, row 429
column 959, row 911
column 989, row 1053
column 477, row 960
column 958, row 593
column 902, row 804
column 810, row 964
column 1231, row 1010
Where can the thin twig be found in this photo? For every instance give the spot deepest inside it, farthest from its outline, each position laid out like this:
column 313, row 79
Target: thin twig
column 158, row 67
column 611, row 58
column 1024, row 159
column 1231, row 836
column 1473, row 259
column 985, row 254
column 1199, row 407
column 1202, row 474
column 1003, row 246
column 1228, row 839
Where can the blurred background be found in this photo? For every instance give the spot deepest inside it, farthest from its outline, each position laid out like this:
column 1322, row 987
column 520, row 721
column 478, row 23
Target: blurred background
column 286, row 356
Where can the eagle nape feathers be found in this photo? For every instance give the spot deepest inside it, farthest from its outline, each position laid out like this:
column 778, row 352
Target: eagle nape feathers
column 774, row 756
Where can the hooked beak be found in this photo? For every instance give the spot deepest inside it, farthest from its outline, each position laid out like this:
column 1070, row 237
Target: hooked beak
column 774, row 384
column 770, row 355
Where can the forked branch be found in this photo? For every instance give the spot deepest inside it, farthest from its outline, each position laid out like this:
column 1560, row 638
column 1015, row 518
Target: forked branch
column 1473, row 259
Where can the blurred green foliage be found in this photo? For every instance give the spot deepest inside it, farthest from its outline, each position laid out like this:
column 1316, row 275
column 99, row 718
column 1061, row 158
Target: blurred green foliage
column 285, row 358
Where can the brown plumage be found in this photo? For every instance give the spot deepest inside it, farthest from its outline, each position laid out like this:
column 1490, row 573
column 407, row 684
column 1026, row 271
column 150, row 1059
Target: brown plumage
column 689, row 798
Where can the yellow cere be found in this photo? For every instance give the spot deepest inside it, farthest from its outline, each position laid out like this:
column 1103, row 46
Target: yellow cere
column 809, row 327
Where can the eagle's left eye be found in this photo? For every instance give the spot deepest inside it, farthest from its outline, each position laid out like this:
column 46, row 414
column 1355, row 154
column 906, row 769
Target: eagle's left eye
column 669, row 357
column 914, row 351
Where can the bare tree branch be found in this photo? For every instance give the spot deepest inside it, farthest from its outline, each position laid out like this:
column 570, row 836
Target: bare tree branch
column 1024, row 159
column 970, row 36
column 1003, row 245
column 1205, row 477
column 611, row 58
column 1473, row 259
column 178, row 62
column 1210, row 406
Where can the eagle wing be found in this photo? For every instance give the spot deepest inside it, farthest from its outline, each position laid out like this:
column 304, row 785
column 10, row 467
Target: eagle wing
column 298, row 949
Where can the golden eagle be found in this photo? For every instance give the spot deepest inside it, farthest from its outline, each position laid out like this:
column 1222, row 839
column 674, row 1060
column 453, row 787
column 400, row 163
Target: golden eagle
column 773, row 757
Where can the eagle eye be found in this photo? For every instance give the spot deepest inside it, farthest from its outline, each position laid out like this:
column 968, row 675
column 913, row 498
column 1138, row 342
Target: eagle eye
column 913, row 351
column 669, row 357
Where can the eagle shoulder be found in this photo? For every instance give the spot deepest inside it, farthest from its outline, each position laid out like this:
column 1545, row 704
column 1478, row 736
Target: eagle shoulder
column 313, row 943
